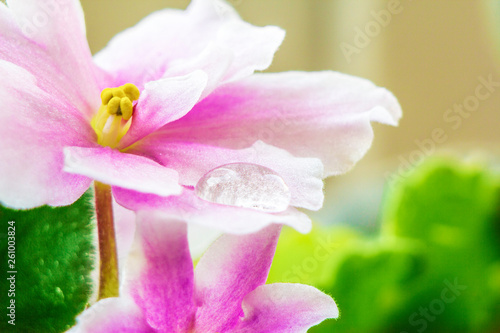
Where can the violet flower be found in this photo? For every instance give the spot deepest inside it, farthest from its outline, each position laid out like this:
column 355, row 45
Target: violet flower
column 164, row 103
column 225, row 293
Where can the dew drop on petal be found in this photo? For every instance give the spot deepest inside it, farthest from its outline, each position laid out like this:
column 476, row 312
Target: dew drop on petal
column 245, row 185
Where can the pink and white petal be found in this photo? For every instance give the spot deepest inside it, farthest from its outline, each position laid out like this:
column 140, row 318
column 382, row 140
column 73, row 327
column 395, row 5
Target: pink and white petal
column 171, row 39
column 303, row 176
column 325, row 115
column 125, row 230
column 254, row 47
column 200, row 238
column 142, row 53
column 48, row 39
column 285, row 308
column 162, row 102
column 229, row 219
column 112, row 315
column 231, row 268
column 129, row 171
column 33, row 136
column 159, row 273
column 215, row 61
column 212, row 10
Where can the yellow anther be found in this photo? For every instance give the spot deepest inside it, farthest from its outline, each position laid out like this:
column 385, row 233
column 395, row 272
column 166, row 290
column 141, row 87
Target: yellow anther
column 131, row 91
column 106, row 95
column 126, row 108
column 114, row 105
column 118, row 92
column 113, row 119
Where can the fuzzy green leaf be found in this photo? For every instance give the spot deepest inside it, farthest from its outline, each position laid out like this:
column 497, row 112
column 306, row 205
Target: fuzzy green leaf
column 53, row 260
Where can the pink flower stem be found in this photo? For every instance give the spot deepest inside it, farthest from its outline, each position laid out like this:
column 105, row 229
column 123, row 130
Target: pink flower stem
column 108, row 262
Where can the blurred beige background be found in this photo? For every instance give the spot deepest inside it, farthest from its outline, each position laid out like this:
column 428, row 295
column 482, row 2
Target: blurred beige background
column 430, row 54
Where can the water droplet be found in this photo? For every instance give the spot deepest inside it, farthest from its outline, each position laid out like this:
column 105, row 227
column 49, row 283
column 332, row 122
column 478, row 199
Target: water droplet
column 245, row 185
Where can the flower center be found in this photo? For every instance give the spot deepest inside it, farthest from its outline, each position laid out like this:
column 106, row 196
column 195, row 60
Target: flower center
column 114, row 117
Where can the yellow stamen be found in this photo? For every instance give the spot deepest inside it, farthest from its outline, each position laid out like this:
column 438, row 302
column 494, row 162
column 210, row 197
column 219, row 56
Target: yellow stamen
column 114, row 117
column 106, row 95
column 114, row 105
column 131, row 91
column 126, row 107
column 118, row 92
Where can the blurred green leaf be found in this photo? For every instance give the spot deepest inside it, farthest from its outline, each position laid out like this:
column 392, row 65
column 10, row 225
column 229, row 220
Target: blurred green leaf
column 53, row 248
column 434, row 267
column 310, row 258
column 371, row 280
column 367, row 277
column 452, row 208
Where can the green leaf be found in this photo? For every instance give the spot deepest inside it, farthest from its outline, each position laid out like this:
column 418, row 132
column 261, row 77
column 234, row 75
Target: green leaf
column 310, row 258
column 452, row 208
column 437, row 256
column 368, row 278
column 372, row 279
column 53, row 260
